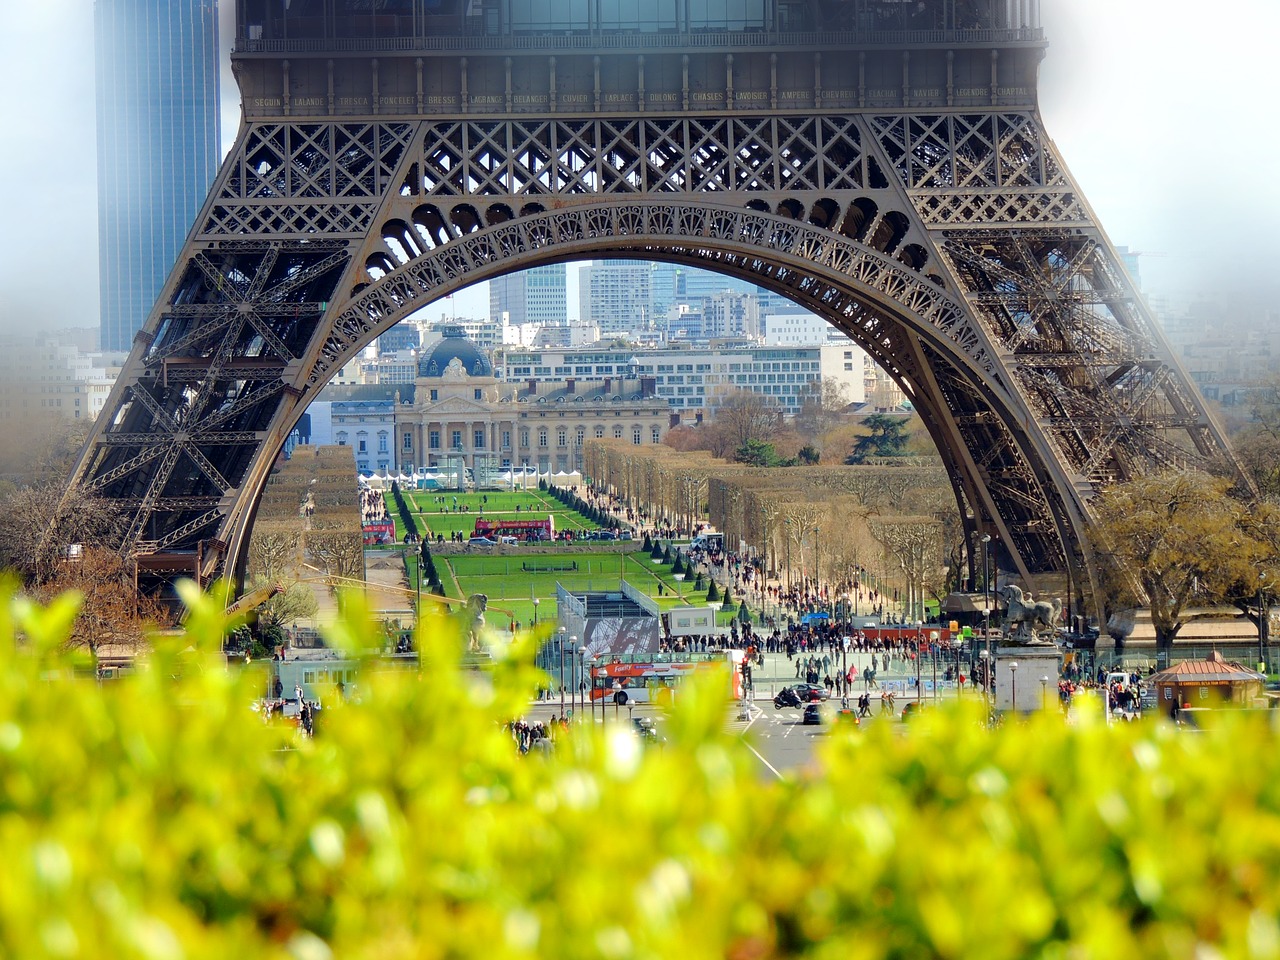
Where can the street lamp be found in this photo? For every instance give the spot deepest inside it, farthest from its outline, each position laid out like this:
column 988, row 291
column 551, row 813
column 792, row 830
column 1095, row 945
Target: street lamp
column 986, row 587
column 1044, row 693
column 536, row 601
column 1013, row 684
column 1263, row 625
column 817, row 570
column 560, row 644
column 787, row 542
column 985, row 657
column 583, row 683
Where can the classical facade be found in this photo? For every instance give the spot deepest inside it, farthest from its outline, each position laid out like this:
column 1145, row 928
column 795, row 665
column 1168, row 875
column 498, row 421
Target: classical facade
column 457, row 409
column 461, row 409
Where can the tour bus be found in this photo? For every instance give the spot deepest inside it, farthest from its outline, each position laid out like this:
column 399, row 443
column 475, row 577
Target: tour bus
column 526, row 530
column 655, row 677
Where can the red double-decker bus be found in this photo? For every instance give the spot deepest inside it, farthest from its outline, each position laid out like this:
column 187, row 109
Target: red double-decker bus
column 651, row 678
column 523, row 530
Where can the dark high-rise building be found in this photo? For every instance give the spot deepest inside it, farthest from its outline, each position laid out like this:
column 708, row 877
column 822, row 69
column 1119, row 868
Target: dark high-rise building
column 158, row 146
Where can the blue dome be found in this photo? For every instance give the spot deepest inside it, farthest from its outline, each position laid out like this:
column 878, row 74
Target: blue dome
column 454, row 345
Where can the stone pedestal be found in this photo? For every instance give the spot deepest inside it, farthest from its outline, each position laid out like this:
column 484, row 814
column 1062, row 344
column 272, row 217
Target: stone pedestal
column 1020, row 688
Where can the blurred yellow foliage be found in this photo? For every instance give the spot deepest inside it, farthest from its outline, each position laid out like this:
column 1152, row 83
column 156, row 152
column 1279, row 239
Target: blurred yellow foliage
column 158, row 817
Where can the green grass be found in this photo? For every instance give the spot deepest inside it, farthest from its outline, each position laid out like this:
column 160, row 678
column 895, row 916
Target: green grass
column 434, row 511
column 511, row 589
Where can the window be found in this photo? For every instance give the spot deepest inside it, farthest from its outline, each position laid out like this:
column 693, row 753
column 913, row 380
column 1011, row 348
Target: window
column 635, row 436
column 477, row 393
column 617, row 431
column 408, row 441
column 433, row 440
column 580, row 436
column 382, row 442
column 542, row 437
column 478, row 439
column 524, row 438
column 435, row 394
column 599, row 432
column 455, row 440
column 506, row 439
column 562, row 437
column 363, row 446
column 655, row 435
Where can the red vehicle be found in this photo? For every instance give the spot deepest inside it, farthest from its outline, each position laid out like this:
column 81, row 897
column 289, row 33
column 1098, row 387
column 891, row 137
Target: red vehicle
column 651, row 679
column 526, row 531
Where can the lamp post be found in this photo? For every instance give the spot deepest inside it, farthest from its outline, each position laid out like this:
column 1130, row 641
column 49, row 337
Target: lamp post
column 919, row 691
column 984, row 656
column 1263, row 625
column 1013, row 684
column 787, row 541
column 817, row 570
column 986, row 587
column 536, row 601
column 1044, row 693
column 560, row 644
column 574, row 696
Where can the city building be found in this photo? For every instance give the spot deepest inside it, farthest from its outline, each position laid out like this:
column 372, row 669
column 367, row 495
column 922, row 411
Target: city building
column 403, row 336
column 158, row 142
column 614, row 294
column 458, row 409
column 530, row 296
column 41, row 376
column 798, row 330
column 730, row 314
column 689, row 376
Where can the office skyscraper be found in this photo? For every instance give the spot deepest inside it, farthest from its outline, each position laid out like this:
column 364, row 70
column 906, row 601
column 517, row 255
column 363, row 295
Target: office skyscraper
column 531, row 296
column 158, row 146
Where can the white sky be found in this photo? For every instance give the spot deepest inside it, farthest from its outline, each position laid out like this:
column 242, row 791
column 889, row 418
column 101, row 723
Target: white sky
column 1164, row 118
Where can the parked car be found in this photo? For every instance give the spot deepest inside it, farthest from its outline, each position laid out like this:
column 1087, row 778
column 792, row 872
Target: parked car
column 508, row 539
column 482, row 542
column 625, row 535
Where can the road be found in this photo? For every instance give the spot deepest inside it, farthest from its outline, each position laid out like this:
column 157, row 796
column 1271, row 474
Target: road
column 778, row 739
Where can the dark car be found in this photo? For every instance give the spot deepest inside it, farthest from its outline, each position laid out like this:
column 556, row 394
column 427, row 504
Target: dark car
column 811, row 691
column 914, row 708
column 812, row 715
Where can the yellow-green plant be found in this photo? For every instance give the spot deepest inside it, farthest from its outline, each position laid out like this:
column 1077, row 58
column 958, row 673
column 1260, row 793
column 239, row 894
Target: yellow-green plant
column 159, row 817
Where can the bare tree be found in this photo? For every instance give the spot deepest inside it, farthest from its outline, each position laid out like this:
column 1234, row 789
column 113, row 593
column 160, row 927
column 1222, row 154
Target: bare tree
column 821, row 406
column 747, row 416
column 341, row 553
column 274, row 549
column 110, row 615
column 42, row 526
column 913, row 543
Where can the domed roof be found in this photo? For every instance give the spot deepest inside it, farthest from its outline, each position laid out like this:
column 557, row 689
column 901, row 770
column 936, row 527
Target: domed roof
column 454, row 345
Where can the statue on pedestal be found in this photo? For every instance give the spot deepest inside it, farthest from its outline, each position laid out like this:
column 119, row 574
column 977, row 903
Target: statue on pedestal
column 1026, row 615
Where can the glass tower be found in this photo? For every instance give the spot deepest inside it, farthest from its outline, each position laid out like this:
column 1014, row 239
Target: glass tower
column 158, row 146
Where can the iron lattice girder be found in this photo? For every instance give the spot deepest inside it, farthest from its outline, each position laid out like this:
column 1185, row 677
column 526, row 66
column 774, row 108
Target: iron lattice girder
column 950, row 245
column 1083, row 351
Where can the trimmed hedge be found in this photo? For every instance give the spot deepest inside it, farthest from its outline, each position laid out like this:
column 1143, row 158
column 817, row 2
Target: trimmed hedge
column 156, row 816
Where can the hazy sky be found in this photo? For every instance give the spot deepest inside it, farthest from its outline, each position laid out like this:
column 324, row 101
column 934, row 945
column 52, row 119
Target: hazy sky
column 1165, row 120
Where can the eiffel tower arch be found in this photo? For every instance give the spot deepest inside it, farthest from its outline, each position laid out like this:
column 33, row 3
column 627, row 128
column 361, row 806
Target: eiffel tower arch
column 880, row 163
